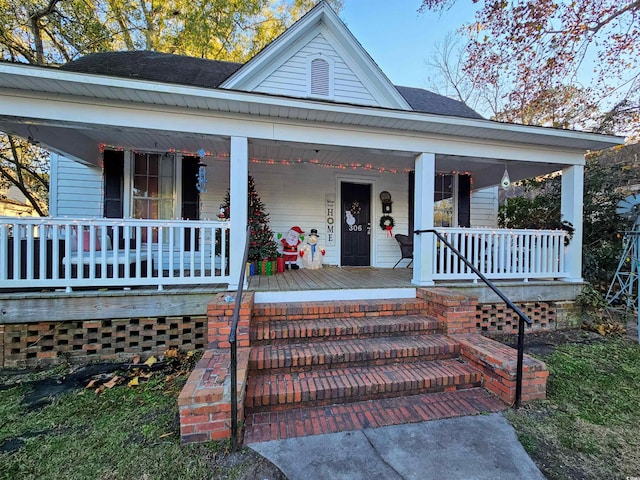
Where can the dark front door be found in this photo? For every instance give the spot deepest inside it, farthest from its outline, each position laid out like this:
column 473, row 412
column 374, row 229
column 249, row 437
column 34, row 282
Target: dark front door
column 356, row 225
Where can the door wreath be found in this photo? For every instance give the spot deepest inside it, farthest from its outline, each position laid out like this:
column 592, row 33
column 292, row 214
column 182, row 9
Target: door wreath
column 387, row 223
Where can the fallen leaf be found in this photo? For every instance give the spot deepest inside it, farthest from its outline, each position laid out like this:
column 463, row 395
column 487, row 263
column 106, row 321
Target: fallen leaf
column 99, row 390
column 165, row 435
column 171, row 353
column 113, row 382
column 151, row 361
column 169, row 378
column 133, row 382
column 91, row 384
column 136, row 359
column 146, row 375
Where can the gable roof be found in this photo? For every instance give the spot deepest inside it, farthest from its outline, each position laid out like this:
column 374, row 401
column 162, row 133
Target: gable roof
column 322, row 20
column 199, row 72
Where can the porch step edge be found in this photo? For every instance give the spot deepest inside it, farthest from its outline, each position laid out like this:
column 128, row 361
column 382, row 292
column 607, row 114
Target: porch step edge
column 315, row 330
column 330, row 295
column 349, row 384
column 339, row 309
column 351, row 352
column 306, row 421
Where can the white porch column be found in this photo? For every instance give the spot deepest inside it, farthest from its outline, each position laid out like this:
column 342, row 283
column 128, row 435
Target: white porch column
column 238, row 194
column 423, row 218
column 571, row 211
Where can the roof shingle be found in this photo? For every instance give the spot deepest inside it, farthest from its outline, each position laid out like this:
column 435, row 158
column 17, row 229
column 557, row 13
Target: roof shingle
column 199, row 72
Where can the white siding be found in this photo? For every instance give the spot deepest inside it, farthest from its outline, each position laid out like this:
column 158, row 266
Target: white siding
column 295, row 195
column 484, row 207
column 78, row 190
column 291, row 78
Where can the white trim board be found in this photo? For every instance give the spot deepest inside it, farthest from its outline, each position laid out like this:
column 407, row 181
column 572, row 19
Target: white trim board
column 333, row 295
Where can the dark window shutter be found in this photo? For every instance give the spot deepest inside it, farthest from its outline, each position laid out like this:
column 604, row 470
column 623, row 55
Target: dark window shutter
column 464, row 200
column 113, row 184
column 190, row 195
column 412, row 196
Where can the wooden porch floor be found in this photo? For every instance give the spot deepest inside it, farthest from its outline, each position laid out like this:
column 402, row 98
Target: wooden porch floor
column 333, row 278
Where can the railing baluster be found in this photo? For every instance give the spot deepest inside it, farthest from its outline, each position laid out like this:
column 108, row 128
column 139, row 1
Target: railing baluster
column 42, row 252
column 204, row 245
column 4, row 251
column 454, row 238
column 527, row 255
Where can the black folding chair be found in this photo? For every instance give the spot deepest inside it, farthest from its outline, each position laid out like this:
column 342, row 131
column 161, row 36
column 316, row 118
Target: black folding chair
column 406, row 248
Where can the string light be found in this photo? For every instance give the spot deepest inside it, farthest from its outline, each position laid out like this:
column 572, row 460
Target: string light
column 337, row 166
column 368, row 167
column 221, row 156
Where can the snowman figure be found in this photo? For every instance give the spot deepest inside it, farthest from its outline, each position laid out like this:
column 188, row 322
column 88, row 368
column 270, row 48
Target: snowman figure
column 311, row 253
column 350, row 219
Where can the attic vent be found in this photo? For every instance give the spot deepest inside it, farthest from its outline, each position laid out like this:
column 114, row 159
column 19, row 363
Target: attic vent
column 320, row 77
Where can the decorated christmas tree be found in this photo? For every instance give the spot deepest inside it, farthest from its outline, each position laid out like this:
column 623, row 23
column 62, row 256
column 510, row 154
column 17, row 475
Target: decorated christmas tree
column 261, row 243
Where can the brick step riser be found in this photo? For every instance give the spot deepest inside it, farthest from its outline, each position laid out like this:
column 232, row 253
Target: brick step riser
column 339, row 311
column 360, row 359
column 321, row 398
column 288, row 337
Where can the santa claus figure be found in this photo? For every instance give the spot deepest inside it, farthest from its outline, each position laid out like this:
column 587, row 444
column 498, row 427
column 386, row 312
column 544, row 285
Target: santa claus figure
column 290, row 247
column 312, row 253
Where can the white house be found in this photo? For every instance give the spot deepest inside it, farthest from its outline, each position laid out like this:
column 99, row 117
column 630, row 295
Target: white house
column 331, row 145
column 320, row 128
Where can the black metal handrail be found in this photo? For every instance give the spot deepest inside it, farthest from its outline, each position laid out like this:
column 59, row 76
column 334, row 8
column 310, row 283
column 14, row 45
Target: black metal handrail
column 522, row 316
column 234, row 349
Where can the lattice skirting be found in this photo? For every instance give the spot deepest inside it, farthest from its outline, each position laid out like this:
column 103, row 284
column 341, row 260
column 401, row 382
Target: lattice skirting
column 49, row 343
column 497, row 317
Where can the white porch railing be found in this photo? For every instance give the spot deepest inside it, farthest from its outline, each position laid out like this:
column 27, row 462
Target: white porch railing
column 500, row 254
column 67, row 253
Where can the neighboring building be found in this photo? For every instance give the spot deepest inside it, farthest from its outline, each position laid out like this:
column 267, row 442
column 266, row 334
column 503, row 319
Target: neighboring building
column 14, row 204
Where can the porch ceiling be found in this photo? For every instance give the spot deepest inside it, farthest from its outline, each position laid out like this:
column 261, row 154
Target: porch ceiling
column 84, row 142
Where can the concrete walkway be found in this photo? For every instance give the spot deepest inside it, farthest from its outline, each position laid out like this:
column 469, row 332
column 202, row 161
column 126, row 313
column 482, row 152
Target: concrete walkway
column 477, row 447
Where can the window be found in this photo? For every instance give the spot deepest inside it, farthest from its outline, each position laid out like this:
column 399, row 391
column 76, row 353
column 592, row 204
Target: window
column 443, row 208
column 153, row 186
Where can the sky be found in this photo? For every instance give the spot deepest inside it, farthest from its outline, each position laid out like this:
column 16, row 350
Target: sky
column 398, row 38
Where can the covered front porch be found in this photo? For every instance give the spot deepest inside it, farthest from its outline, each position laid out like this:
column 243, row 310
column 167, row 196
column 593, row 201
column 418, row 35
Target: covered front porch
column 123, row 171
column 55, row 253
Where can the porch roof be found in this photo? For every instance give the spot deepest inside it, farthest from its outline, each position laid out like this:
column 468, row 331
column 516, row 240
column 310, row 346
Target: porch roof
column 20, row 80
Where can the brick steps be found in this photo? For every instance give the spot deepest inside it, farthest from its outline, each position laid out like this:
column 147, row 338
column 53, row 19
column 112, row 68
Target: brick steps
column 279, row 332
column 351, row 352
column 333, row 366
column 312, row 368
column 341, row 385
column 337, row 309
column 299, row 422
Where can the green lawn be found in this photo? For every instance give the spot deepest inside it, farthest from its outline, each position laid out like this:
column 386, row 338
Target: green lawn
column 122, row 433
column 589, row 426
